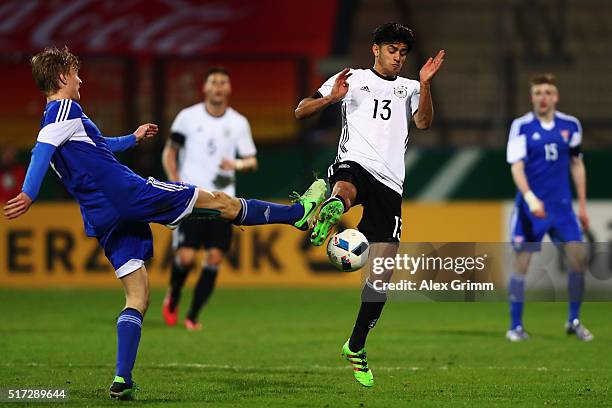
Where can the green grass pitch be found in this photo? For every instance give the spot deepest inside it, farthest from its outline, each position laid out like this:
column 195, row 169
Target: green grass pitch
column 281, row 347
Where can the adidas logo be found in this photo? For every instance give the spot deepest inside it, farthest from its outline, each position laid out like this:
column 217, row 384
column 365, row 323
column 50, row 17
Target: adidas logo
column 267, row 214
column 364, row 88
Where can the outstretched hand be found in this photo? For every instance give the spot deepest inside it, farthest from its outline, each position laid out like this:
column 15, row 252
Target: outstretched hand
column 17, row 206
column 341, row 86
column 145, row 131
column 431, row 67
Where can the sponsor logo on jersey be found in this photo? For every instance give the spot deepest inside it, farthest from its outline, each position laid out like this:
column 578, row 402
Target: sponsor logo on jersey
column 400, row 91
column 227, row 132
column 364, row 88
column 536, row 136
column 344, row 166
column 565, row 135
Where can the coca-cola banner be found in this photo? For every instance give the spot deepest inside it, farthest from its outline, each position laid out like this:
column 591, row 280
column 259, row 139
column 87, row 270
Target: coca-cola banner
column 180, row 27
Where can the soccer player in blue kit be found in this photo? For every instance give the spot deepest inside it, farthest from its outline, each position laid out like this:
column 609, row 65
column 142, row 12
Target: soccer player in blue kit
column 543, row 150
column 117, row 205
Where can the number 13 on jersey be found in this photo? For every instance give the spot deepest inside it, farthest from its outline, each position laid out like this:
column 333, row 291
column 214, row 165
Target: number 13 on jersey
column 385, row 110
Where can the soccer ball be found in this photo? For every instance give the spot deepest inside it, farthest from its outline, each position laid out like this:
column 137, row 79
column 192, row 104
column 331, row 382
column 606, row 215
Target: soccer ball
column 348, row 250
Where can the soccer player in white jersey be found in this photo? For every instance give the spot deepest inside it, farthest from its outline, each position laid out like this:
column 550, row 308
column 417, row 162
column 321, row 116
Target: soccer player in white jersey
column 117, row 205
column 212, row 142
column 543, row 150
column 377, row 106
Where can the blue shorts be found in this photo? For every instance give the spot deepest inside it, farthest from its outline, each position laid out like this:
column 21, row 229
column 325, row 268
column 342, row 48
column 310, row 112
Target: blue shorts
column 527, row 231
column 161, row 202
column 128, row 243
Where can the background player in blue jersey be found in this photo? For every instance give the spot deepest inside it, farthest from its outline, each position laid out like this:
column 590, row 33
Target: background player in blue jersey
column 543, row 150
column 116, row 204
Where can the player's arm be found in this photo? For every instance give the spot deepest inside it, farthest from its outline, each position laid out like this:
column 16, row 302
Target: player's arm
column 536, row 206
column 175, row 142
column 58, row 128
column 424, row 115
column 248, row 163
column 245, row 150
column 519, row 177
column 313, row 105
column 39, row 163
column 578, row 172
column 516, row 154
column 121, row 143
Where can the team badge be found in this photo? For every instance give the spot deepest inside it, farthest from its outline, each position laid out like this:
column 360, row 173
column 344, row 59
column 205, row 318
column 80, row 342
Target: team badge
column 565, row 135
column 400, row 91
column 536, row 136
column 227, row 132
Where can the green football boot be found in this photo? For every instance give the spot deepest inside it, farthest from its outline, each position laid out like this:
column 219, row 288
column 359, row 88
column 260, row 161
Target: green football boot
column 359, row 363
column 310, row 200
column 329, row 215
column 120, row 390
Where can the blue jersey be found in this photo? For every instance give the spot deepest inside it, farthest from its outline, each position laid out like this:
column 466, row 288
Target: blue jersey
column 107, row 191
column 546, row 150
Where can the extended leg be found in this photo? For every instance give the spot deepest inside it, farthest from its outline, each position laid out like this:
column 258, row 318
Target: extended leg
column 255, row 212
column 341, row 200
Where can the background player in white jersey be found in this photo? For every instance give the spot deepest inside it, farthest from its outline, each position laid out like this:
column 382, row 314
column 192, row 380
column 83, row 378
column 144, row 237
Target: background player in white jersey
column 543, row 150
column 377, row 106
column 117, row 205
column 212, row 142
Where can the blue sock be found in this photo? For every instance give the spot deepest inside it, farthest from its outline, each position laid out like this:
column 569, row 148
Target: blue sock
column 255, row 212
column 129, row 325
column 516, row 291
column 575, row 284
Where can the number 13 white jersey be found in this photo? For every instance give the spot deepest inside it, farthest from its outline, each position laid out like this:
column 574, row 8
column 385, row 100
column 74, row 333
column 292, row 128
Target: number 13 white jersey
column 376, row 113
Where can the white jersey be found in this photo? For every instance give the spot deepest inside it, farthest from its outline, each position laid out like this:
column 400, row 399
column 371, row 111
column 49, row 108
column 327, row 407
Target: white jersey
column 376, row 113
column 209, row 140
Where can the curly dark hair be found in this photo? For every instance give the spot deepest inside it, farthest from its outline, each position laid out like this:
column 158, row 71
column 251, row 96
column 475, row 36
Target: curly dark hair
column 47, row 66
column 393, row 33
